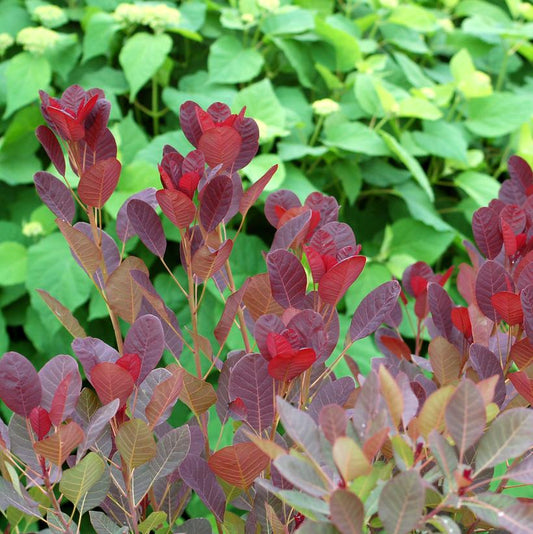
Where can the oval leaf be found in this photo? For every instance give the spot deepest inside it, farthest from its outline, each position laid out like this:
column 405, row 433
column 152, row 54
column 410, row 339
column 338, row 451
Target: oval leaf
column 147, row 226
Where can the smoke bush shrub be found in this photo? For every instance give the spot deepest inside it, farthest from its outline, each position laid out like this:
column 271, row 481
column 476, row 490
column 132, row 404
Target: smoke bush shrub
column 420, row 444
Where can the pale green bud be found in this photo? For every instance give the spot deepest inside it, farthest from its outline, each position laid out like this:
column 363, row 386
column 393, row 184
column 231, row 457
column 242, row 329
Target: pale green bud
column 326, row 106
column 37, row 39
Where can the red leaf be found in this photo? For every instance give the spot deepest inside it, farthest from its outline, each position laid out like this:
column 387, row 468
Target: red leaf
column 98, row 182
column 132, row 364
column 59, row 401
column 508, row 305
column 111, row 382
column 509, row 239
column 52, row 147
column 316, row 263
column 288, row 365
column 523, row 384
column 220, row 145
column 419, row 285
column 238, row 465
column 237, row 409
column 177, row 206
column 231, row 309
column 40, row 422
column 491, row 279
column 397, row 346
column 461, row 321
column 522, row 353
column 339, row 278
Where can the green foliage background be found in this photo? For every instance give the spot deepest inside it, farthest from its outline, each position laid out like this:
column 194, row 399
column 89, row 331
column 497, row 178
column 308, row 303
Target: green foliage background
column 425, row 102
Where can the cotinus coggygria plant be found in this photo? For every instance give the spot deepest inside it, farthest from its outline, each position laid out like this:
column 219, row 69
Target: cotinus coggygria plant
column 419, row 445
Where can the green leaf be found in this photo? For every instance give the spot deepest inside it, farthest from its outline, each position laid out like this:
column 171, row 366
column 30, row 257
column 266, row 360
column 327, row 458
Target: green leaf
column 404, row 38
column 349, row 174
column 289, row 21
column 510, row 435
column 354, row 137
column 260, row 164
column 401, row 502
column 498, row 114
column 367, row 96
column 420, row 207
column 98, row 34
column 419, row 108
column 340, row 35
column 68, row 284
column 136, row 443
column 263, row 105
column 64, row 55
column 230, row 62
column 78, row 480
column 141, row 57
column 412, row 71
column 418, row 241
column 132, row 139
column 25, row 75
column 414, row 16
column 298, row 55
column 152, row 522
column 311, row 507
column 13, row 263
column 481, row 188
column 442, row 139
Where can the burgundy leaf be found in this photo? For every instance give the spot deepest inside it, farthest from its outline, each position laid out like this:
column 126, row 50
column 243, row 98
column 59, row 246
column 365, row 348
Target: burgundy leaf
column 491, row 279
column 251, row 382
column 526, row 298
column 55, row 194
column 124, row 229
column 231, row 308
column 52, row 148
column 147, row 226
column 20, row 387
column 373, row 310
column 522, row 353
column 52, row 375
column 98, row 182
column 486, row 229
column 40, row 422
column 525, row 276
column 223, row 398
column 206, row 262
column 254, row 191
column 177, row 206
column 189, row 122
column 266, row 324
column 314, row 333
column 283, row 199
column 145, row 338
column 520, row 170
column 327, row 206
column 287, row 278
column 288, row 365
column 91, row 351
column 249, row 132
column 461, row 321
column 196, row 473
column 486, row 364
column 419, row 269
column 293, row 231
column 335, row 282
column 515, row 217
column 215, row 201
column 523, row 384
column 512, row 192
column 440, row 306
column 333, row 421
column 334, row 392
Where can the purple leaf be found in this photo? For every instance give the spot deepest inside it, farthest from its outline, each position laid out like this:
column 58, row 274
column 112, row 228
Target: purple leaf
column 520, row 170
column 197, row 475
column 340, row 234
column 215, row 201
column 347, row 511
column 52, row 148
column 172, row 449
column 333, row 420
column 293, row 230
column 401, row 502
column 334, row 392
column 147, row 226
column 249, row 132
column 523, row 471
column 287, row 278
column 124, row 229
column 145, row 338
column 465, row 416
column 310, row 328
column 440, row 306
column 486, row 364
column 55, row 194
column 491, row 279
column 327, row 206
column 526, row 298
column 51, row 375
column 223, row 399
column 336, row 281
column 20, row 386
column 263, row 326
column 250, row 381
column 486, row 229
column 92, row 351
column 254, row 191
column 525, row 277
column 374, row 309
column 233, row 304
